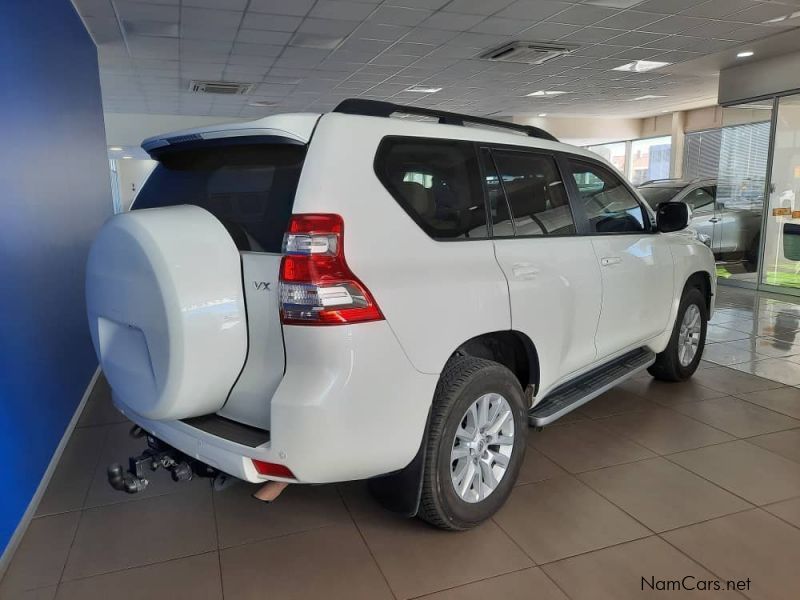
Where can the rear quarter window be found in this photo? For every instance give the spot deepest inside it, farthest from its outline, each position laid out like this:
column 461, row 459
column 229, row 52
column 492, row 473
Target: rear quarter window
column 250, row 188
column 437, row 182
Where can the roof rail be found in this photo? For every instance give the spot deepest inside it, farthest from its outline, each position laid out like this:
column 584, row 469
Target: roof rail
column 378, row 108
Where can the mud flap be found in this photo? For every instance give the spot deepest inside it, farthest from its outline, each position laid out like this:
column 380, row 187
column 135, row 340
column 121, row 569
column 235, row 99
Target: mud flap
column 401, row 491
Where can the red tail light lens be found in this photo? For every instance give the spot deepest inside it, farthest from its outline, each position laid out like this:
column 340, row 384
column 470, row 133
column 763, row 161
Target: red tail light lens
column 317, row 286
column 273, row 469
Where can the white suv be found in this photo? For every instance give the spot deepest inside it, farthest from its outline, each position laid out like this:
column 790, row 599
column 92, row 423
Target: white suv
column 317, row 298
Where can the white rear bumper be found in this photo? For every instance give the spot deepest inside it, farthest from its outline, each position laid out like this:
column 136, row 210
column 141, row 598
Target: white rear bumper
column 350, row 406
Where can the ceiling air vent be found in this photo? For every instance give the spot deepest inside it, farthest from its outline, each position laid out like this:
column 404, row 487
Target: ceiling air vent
column 226, row 88
column 532, row 53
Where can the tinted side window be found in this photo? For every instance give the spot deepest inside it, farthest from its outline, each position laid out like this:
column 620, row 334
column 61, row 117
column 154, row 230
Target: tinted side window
column 535, row 193
column 700, row 200
column 437, row 183
column 610, row 206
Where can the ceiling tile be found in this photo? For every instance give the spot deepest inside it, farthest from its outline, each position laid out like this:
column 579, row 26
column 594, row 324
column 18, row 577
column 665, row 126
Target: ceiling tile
column 666, row 7
column 591, row 35
column 583, row 14
column 501, row 26
column 270, row 22
column 630, row 19
column 534, row 10
column 717, row 9
column 545, row 32
column 675, row 24
column 220, row 4
column 477, row 7
column 133, row 11
column 204, row 16
column 340, row 9
column 452, row 21
column 298, row 8
column 762, row 12
column 395, row 15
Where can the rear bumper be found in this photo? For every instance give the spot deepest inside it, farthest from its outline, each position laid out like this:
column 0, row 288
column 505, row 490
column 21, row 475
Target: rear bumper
column 350, row 406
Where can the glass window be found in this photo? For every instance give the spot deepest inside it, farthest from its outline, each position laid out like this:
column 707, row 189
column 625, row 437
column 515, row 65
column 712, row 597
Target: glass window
column 249, row 187
column 437, row 183
column 613, row 153
column 610, row 206
column 535, row 193
column 701, row 200
column 650, row 159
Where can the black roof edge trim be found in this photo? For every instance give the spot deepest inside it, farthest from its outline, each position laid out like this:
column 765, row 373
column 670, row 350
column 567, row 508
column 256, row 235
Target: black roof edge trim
column 379, row 108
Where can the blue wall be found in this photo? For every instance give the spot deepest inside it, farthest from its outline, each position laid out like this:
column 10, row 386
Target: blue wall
column 54, row 195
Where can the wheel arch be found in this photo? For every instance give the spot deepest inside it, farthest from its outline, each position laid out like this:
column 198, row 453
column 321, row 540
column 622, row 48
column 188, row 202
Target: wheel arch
column 702, row 281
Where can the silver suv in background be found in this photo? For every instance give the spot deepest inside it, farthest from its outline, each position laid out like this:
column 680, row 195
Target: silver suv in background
column 726, row 216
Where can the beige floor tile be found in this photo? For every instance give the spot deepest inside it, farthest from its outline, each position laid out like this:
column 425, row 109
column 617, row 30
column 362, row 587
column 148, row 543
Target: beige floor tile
column 731, row 381
column 331, row 562
column 751, row 544
column 45, row 593
column 668, row 393
column 785, row 400
column 241, row 518
column 662, row 495
column 665, row 431
column 70, row 482
column 522, row 585
column 418, row 559
column 718, row 333
column 537, row 467
column 562, row 517
column 118, row 446
column 192, row 578
column 41, row 554
column 585, row 445
column 781, row 370
column 737, row 417
column 755, row 474
column 726, row 353
column 785, row 443
column 769, row 347
column 626, row 572
column 615, row 401
column 135, row 534
column 788, row 510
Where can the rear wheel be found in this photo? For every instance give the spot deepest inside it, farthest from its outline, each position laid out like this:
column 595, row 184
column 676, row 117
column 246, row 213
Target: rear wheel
column 682, row 356
column 475, row 445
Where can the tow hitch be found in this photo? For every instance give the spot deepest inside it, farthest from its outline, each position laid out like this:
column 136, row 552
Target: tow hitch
column 157, row 455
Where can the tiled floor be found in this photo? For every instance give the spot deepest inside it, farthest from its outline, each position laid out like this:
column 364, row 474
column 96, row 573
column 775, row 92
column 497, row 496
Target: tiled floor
column 698, row 479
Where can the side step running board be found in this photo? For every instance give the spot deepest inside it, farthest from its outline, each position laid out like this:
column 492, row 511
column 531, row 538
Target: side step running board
column 576, row 393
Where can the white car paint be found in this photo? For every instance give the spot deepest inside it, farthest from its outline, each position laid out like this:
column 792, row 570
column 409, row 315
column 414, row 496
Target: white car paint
column 354, row 399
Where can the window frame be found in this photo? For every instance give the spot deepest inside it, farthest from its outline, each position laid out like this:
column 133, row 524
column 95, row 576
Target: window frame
column 377, row 170
column 649, row 225
column 489, row 149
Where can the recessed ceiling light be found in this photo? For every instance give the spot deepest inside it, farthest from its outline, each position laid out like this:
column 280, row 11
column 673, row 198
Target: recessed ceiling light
column 115, row 148
column 646, row 97
column 542, row 114
column 546, row 93
column 745, row 54
column 794, row 15
column 126, row 157
column 423, row 90
column 641, row 66
column 261, row 103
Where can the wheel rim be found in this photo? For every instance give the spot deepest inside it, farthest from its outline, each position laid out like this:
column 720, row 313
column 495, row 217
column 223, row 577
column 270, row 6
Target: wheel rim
column 689, row 335
column 482, row 448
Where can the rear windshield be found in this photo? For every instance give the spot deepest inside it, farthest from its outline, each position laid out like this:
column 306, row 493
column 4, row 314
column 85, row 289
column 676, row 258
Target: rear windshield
column 250, row 188
column 657, row 195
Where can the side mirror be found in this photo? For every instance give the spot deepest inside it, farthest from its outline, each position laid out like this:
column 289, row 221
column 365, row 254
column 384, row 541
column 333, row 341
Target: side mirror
column 672, row 216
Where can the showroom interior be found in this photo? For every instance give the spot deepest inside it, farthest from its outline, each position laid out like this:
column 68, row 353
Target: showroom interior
column 692, row 482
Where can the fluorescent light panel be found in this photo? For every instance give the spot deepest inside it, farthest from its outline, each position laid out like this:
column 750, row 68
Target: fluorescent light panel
column 641, row 66
column 424, row 90
column 646, row 97
column 745, row 54
column 546, row 93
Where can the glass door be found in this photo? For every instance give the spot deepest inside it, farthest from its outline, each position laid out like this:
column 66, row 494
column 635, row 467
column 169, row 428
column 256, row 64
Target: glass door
column 739, row 206
column 781, row 263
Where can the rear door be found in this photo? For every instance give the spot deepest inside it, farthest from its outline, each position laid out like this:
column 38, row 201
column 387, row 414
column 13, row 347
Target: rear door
column 553, row 278
column 635, row 261
column 249, row 187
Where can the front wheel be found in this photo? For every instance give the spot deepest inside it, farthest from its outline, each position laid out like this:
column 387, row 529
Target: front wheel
column 681, row 357
column 476, row 443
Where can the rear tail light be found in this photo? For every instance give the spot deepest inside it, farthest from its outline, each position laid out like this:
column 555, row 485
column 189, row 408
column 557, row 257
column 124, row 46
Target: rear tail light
column 317, row 286
column 273, row 469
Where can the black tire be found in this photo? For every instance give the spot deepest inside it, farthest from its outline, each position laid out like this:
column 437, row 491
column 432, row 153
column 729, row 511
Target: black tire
column 464, row 380
column 668, row 366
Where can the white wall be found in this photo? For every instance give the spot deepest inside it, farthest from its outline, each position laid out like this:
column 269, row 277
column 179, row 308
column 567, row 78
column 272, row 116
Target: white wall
column 132, row 175
column 584, row 131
